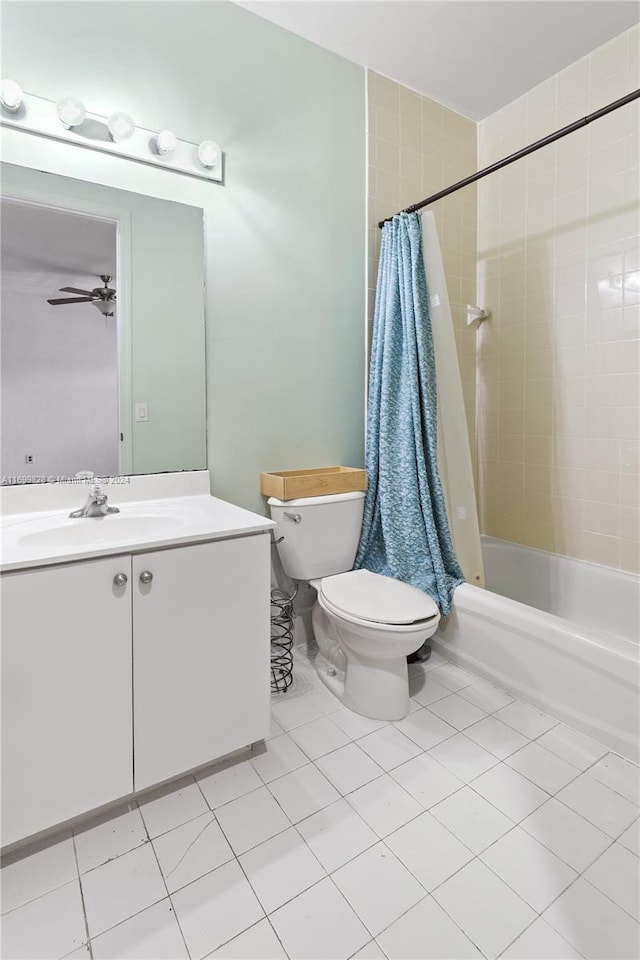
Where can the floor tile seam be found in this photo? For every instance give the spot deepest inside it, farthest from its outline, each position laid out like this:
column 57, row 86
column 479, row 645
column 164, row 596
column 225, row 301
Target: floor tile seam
column 138, row 846
column 322, row 774
column 427, row 753
column 177, row 826
column 353, row 908
column 495, row 709
column 443, row 825
column 515, row 823
column 435, row 700
column 557, row 756
column 633, row 803
column 207, row 956
column 566, row 862
column 373, row 843
column 604, row 894
column 454, row 921
column 513, row 889
column 130, row 917
column 555, row 900
column 457, row 870
column 173, row 909
column 592, row 764
column 191, row 844
column 427, row 896
column 496, row 755
column 528, row 927
column 535, row 783
column 267, row 913
column 509, row 815
column 454, row 734
column 605, row 832
column 395, row 829
column 319, row 756
column 527, row 704
column 84, row 908
column 24, row 903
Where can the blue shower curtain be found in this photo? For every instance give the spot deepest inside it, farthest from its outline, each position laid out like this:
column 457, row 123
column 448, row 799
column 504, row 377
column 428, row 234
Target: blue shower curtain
column 405, row 531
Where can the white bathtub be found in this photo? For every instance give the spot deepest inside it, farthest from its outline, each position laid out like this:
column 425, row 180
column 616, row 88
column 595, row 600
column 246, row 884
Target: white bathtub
column 557, row 632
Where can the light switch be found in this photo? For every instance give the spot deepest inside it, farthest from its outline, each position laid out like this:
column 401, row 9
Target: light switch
column 142, row 413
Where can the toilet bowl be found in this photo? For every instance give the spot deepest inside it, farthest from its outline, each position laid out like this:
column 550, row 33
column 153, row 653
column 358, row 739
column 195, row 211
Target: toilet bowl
column 365, row 624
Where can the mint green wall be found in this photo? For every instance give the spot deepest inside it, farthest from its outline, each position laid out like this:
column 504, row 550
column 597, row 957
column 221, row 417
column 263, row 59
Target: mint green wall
column 284, row 236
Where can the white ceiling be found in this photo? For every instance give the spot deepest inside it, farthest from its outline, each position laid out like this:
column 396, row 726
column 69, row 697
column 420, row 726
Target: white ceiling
column 473, row 56
column 45, row 248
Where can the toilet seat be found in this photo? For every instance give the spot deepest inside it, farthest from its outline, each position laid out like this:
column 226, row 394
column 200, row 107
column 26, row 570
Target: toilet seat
column 370, row 599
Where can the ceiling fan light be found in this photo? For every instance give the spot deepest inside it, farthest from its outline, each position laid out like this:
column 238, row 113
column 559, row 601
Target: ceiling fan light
column 10, row 95
column 106, row 307
column 121, row 126
column 71, row 112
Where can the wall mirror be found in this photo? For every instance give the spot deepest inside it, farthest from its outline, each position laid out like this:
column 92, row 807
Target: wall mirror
column 112, row 379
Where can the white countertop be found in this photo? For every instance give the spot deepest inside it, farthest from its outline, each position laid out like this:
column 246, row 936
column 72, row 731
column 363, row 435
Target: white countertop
column 47, row 537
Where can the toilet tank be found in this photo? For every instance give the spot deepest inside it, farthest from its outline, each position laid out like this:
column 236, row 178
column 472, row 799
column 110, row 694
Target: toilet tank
column 324, row 539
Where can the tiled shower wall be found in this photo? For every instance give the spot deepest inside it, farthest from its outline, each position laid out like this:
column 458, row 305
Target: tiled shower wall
column 416, row 147
column 558, row 363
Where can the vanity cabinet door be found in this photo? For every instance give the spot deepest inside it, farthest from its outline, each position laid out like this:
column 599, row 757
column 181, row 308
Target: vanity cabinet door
column 200, row 654
column 66, row 693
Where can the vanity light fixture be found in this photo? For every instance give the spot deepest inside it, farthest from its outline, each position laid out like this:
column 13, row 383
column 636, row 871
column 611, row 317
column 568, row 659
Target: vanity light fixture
column 69, row 121
column 166, row 142
column 208, row 153
column 71, row 112
column 10, row 95
column 121, row 127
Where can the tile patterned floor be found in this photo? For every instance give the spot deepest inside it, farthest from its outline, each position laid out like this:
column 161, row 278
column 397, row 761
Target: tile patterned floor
column 475, row 827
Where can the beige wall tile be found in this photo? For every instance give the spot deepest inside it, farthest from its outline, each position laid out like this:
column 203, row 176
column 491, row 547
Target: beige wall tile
column 556, row 286
column 415, row 147
column 552, row 381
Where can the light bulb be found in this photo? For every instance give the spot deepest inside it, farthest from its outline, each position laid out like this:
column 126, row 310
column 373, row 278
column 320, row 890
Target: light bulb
column 208, row 153
column 10, row 95
column 71, row 112
column 166, row 142
column 121, row 126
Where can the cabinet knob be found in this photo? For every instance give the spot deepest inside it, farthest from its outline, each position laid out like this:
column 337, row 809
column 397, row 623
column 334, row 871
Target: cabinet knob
column 146, row 576
column 120, row 580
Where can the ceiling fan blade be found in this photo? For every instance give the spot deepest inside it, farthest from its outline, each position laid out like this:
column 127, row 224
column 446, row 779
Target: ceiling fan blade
column 83, row 293
column 71, row 300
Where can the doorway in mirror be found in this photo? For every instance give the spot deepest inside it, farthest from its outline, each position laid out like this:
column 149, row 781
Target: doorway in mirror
column 60, row 343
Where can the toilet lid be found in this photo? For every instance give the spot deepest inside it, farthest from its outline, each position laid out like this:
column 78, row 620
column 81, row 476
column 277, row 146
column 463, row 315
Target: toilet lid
column 370, row 596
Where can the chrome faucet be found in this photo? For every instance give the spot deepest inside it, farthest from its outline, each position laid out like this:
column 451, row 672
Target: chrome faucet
column 96, row 505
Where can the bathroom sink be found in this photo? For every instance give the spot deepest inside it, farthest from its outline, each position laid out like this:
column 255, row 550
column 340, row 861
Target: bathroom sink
column 43, row 537
column 118, row 527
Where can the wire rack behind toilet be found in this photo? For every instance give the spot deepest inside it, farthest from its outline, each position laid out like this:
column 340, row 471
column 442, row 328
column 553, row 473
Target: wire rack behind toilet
column 281, row 639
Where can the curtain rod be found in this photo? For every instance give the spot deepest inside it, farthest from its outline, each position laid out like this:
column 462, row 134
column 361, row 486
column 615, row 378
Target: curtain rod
column 525, row 151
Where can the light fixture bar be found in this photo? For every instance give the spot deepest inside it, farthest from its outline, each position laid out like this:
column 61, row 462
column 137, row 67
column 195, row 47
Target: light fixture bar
column 38, row 115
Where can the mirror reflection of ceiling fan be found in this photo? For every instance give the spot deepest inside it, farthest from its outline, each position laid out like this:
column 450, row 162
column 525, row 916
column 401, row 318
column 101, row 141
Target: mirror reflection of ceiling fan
column 104, row 298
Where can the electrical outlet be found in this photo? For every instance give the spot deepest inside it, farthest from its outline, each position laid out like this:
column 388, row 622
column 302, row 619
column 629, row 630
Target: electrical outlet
column 28, row 458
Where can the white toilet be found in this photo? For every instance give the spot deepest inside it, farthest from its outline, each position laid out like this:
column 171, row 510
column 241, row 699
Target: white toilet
column 365, row 624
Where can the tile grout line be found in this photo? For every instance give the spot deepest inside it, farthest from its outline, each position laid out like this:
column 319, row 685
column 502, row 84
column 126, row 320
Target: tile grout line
column 173, row 909
column 84, row 908
column 266, row 916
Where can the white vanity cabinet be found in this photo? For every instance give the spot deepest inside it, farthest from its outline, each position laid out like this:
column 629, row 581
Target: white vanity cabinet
column 66, row 693
column 110, row 687
column 200, row 654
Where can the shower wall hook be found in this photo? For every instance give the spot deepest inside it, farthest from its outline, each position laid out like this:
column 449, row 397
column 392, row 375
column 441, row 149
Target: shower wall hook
column 476, row 316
